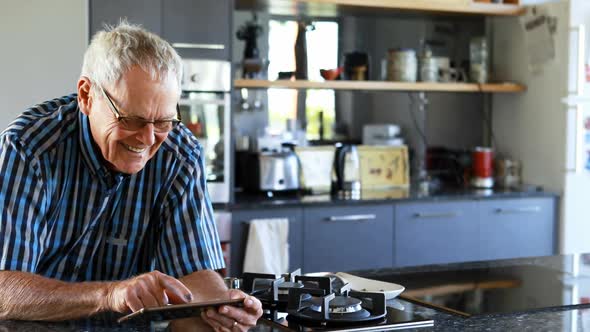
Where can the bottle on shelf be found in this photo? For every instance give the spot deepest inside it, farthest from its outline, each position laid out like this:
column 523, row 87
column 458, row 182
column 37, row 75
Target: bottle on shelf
column 478, row 57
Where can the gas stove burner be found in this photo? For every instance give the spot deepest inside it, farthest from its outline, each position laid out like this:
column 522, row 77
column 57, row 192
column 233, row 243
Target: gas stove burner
column 338, row 305
column 331, row 309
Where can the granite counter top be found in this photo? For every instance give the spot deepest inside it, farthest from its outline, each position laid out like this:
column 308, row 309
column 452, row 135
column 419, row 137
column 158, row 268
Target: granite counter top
column 572, row 271
column 245, row 201
column 554, row 320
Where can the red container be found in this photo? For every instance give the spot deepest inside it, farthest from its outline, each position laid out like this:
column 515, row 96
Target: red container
column 483, row 162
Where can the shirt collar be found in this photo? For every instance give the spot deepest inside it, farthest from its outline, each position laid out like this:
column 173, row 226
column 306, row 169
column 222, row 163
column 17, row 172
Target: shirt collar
column 93, row 156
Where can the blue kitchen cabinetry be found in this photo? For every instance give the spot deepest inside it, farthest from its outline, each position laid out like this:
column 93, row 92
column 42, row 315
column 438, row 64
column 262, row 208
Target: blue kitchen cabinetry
column 240, row 229
column 406, row 233
column 432, row 233
column 347, row 238
column 517, row 228
column 197, row 29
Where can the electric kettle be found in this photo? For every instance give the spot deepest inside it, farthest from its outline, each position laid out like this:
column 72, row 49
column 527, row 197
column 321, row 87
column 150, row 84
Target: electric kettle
column 346, row 173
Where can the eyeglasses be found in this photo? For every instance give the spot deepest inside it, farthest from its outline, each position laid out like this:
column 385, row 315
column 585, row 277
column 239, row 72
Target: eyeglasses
column 132, row 123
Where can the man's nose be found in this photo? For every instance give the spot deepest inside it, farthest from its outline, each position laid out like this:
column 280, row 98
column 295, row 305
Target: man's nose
column 146, row 134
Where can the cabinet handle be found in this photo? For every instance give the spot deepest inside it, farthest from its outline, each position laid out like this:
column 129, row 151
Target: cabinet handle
column 423, row 215
column 199, row 46
column 352, row 217
column 529, row 209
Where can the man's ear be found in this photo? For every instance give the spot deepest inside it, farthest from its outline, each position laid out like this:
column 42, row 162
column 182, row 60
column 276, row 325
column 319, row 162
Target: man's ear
column 85, row 98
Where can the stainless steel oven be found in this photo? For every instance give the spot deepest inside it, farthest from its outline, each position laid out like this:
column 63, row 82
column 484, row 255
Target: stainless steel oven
column 205, row 110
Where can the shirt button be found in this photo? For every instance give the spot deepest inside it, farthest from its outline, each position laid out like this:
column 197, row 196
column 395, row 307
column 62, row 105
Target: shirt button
column 77, row 268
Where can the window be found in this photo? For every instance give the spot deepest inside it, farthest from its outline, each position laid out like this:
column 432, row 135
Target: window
column 322, row 53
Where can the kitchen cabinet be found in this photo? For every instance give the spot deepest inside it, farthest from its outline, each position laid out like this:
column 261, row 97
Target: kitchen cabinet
column 239, row 235
column 347, row 238
column 144, row 12
column 433, row 233
column 517, row 228
column 197, row 29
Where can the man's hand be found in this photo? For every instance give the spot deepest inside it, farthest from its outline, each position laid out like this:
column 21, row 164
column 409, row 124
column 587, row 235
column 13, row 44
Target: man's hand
column 230, row 318
column 147, row 290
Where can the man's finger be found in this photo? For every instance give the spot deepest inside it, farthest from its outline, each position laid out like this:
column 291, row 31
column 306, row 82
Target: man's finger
column 177, row 292
column 133, row 302
column 222, row 319
column 212, row 322
column 150, row 295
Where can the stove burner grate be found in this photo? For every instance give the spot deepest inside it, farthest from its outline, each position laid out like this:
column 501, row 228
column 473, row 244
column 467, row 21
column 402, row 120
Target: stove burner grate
column 347, row 308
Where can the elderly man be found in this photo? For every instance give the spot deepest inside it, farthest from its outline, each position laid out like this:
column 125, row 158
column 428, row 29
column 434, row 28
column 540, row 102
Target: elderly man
column 101, row 190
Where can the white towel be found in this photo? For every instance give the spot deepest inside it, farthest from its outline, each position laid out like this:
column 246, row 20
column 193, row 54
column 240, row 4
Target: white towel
column 267, row 250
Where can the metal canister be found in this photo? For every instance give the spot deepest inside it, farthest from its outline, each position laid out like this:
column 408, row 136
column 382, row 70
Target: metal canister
column 428, row 69
column 402, row 65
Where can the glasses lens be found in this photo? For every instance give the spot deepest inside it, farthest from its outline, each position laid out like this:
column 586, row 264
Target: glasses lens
column 162, row 126
column 131, row 123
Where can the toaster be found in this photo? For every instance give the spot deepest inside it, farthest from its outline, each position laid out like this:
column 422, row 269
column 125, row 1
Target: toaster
column 268, row 171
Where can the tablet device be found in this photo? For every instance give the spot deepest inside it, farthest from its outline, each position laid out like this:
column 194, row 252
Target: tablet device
column 176, row 311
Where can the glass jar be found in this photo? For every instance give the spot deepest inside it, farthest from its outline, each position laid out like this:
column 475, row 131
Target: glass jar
column 478, row 57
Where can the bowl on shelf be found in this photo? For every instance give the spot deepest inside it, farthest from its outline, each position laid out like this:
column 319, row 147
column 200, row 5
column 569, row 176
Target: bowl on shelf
column 331, row 74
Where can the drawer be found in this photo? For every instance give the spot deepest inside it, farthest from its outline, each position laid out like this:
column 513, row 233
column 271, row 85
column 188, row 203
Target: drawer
column 348, row 238
column 433, row 233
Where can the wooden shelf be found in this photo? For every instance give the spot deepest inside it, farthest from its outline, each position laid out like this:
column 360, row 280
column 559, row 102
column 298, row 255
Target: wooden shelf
column 334, row 7
column 382, row 86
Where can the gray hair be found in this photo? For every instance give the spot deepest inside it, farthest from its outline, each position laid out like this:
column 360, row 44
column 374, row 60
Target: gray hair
column 116, row 50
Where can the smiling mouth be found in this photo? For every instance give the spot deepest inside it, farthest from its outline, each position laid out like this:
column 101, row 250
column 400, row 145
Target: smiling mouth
column 133, row 149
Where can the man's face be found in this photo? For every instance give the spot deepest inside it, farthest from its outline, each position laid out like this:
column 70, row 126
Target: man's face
column 135, row 95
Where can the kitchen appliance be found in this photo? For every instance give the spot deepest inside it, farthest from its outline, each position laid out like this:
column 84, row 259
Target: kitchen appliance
column 293, row 302
column 346, row 175
column 497, row 287
column 382, row 134
column 483, row 172
column 269, row 170
column 205, row 110
column 546, row 127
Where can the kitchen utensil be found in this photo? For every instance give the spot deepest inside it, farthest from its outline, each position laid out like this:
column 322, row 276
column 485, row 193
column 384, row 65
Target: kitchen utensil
column 402, row 65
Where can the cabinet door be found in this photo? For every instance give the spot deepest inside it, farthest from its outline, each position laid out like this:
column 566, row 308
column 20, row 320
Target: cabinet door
column 239, row 235
column 144, row 12
column 517, row 227
column 347, row 238
column 204, row 27
column 433, row 233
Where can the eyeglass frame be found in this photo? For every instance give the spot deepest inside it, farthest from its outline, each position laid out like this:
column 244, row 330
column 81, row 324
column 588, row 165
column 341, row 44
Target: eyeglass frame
column 119, row 117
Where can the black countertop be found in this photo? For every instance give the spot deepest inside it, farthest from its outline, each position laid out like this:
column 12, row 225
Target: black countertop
column 572, row 318
column 248, row 201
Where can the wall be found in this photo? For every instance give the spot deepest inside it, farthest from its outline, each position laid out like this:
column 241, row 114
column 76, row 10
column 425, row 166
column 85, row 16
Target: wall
column 43, row 43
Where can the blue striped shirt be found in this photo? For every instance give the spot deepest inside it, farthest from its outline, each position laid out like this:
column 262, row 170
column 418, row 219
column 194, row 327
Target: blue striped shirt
column 65, row 215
